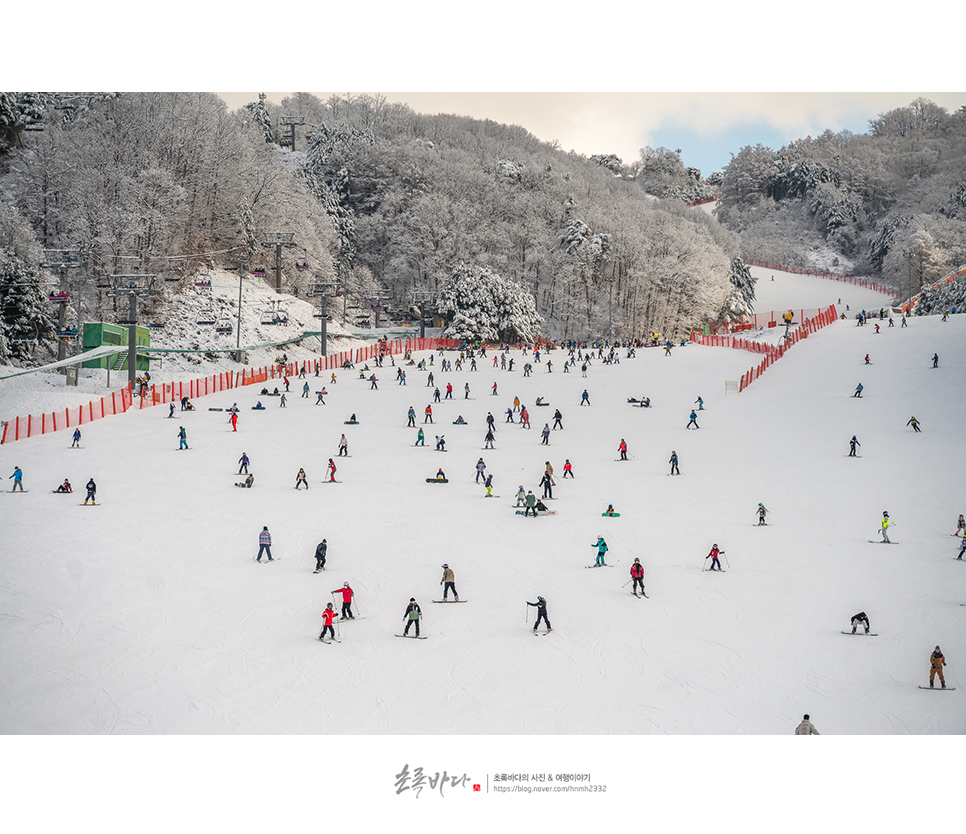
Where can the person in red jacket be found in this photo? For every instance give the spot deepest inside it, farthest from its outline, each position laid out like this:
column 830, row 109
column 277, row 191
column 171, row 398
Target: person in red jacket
column 347, row 594
column 568, row 469
column 327, row 617
column 713, row 556
column 622, row 449
column 637, row 574
column 331, row 470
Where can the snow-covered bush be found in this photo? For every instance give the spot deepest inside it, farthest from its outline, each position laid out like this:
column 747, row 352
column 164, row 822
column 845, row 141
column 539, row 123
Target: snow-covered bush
column 480, row 304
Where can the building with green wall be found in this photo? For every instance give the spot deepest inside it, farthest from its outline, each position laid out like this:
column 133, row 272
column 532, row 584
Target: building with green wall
column 99, row 334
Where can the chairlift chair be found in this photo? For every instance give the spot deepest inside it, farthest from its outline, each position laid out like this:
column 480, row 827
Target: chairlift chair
column 257, row 271
column 223, row 326
column 58, row 297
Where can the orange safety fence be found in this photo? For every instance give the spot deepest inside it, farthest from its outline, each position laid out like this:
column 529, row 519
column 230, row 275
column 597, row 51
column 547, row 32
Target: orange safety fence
column 953, row 276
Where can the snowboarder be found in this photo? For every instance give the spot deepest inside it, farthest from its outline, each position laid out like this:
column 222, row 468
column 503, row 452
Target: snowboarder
column 521, row 497
column 429, row 414
column 282, row 401
column 466, row 391
column 305, row 391
column 610, row 510
column 549, row 471
column 491, row 421
column 568, row 468
column 183, row 438
column 637, row 575
column 541, row 606
column 867, row 360
column 264, row 545
column 440, row 474
column 962, row 544
column 91, row 492
column 412, row 615
column 321, row 394
column 806, row 728
column 601, row 546
column 320, row 556
column 516, row 403
column 852, row 445
column 343, row 447
column 936, row 663
column 858, row 391
column 531, row 503
column 557, row 420
column 243, row 464
column 449, row 583
column 17, row 479
column 65, row 487
column 77, row 437
column 301, row 479
column 436, row 395
column 674, row 463
column 247, row 483
column 331, row 471
column 493, row 389
column 935, row 360
column 545, row 435
column 885, row 528
column 762, row 512
column 347, row 594
column 713, row 556
column 449, row 391
column 622, row 448
column 914, row 423
column 861, row 619
column 171, row 410
column 440, row 443
column 694, row 420
column 412, row 417
column 327, row 617
column 700, row 403
column 420, row 438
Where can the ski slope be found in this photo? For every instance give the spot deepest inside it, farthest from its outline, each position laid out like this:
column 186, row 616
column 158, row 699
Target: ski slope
column 148, row 615
column 789, row 290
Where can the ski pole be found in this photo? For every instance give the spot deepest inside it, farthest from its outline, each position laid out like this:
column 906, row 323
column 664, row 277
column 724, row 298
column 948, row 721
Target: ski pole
column 726, row 560
column 628, row 582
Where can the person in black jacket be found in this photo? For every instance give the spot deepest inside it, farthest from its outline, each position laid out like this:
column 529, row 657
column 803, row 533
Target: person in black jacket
column 320, row 556
column 541, row 606
column 860, row 619
column 412, row 615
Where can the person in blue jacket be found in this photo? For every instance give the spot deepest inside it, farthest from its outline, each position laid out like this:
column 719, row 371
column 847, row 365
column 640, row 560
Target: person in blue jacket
column 17, row 479
column 77, row 437
column 601, row 546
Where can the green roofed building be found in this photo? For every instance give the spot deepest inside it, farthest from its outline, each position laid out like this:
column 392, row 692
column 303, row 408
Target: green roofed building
column 98, row 334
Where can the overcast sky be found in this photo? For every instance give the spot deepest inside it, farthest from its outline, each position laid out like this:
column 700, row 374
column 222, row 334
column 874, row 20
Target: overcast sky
column 707, row 127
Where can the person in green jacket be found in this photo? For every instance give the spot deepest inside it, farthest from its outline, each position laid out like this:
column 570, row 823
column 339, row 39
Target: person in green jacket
column 420, row 438
column 531, row 504
column 601, row 546
column 412, row 615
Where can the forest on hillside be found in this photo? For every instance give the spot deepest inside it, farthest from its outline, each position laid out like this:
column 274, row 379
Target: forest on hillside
column 393, row 205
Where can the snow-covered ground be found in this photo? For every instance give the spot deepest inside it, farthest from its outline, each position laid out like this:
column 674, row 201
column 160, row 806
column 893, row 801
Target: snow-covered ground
column 148, row 614
column 806, row 291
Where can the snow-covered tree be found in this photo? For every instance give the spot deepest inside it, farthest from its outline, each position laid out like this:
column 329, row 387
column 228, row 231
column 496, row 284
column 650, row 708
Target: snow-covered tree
column 25, row 319
column 480, row 304
column 741, row 300
column 261, row 118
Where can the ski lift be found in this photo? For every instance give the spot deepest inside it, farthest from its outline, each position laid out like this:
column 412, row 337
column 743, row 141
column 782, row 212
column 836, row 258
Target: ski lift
column 103, row 284
column 257, row 271
column 67, row 333
column 172, row 278
column 156, row 325
column 58, row 297
column 207, row 319
column 223, row 326
column 203, row 285
column 302, row 265
column 125, row 322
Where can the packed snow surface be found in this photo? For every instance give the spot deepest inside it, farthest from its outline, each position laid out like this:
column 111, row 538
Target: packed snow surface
column 148, row 614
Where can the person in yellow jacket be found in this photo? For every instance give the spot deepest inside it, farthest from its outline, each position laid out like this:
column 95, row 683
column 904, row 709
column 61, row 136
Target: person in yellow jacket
column 936, row 663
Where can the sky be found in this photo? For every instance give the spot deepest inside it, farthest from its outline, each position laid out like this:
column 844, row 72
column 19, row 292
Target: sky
column 707, row 127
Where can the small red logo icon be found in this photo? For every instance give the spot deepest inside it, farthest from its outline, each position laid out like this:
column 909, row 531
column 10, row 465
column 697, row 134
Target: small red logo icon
column 476, row 787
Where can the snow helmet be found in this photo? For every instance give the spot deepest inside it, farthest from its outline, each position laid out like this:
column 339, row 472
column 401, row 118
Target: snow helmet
column 445, row 566
column 540, row 599
column 328, row 605
column 715, row 544
column 885, row 514
column 345, row 584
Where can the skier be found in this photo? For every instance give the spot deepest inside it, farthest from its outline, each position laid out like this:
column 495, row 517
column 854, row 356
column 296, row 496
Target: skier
column 762, row 512
column 713, row 556
column 243, row 464
column 264, row 545
column 622, row 448
column 509, row 415
column 694, row 420
column 301, row 479
column 331, row 471
column 516, row 403
column 429, row 414
column 521, row 497
column 491, row 421
column 234, row 421
column 493, row 389
column 867, row 360
column 531, row 503
column 545, row 435
column 347, row 594
column 488, row 483
column 914, row 423
column 852, row 444
column 806, row 728
column 936, row 663
column 91, row 492
column 960, row 526
column 524, row 418
column 861, row 619
column 488, row 439
column 601, row 546
column 343, row 447
column 674, row 463
column 466, row 391
column 885, row 528
column 547, row 483
column 480, row 470
column 858, row 391
column 585, row 398
column 637, row 575
column 935, row 360
column 171, row 410
column 449, row 391
column 305, row 391
column 320, row 556
column 557, row 420
column 412, row 615
column 17, row 479
column 327, row 617
column 77, row 437
column 282, row 401
column 568, row 468
column 541, row 606
column 436, row 395
column 412, row 417
column 549, row 472
column 962, row 544
column 448, row 582
column 183, row 438
column 700, row 403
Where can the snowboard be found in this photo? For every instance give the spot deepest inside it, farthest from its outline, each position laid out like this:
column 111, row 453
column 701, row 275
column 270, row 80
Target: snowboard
column 940, row 688
column 437, row 480
column 863, row 633
column 256, row 408
column 93, row 504
column 61, row 493
column 75, row 447
column 348, row 619
column 421, row 637
column 11, row 491
column 547, row 512
column 351, row 423
column 610, row 515
column 491, row 496
column 439, row 450
column 449, row 600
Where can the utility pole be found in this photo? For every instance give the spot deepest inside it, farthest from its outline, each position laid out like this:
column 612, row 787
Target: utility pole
column 278, row 240
column 420, row 300
column 242, row 257
column 377, row 305
column 610, row 313
column 290, row 122
column 64, row 260
column 132, row 286
column 323, row 292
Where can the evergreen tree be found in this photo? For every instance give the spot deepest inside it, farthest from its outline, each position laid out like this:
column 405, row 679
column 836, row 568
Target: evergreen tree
column 25, row 320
